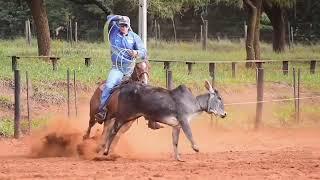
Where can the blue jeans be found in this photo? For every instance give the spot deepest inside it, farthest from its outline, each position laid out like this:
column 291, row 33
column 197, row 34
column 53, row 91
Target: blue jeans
column 114, row 78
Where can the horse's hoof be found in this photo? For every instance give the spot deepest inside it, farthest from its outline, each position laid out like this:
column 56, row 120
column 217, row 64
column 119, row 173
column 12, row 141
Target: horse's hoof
column 195, row 148
column 179, row 159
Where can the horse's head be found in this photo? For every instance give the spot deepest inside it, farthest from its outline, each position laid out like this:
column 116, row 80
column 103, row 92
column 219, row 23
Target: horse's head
column 141, row 72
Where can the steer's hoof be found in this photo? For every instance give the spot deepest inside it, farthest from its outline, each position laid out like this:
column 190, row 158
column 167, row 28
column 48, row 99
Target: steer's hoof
column 179, row 159
column 195, row 148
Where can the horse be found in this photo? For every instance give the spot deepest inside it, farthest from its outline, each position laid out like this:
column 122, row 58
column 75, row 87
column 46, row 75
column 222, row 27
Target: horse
column 140, row 74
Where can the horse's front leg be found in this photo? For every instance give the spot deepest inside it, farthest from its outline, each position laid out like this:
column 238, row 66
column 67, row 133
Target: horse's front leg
column 107, row 125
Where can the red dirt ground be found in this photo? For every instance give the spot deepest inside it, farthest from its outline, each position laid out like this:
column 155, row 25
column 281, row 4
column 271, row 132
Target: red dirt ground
column 146, row 154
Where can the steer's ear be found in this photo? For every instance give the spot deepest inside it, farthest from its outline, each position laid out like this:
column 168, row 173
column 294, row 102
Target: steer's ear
column 208, row 86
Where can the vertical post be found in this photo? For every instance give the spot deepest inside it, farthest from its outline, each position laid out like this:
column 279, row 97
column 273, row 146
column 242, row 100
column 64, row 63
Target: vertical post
column 292, row 41
column 26, row 30
column 298, row 99
column 201, row 33
column 75, row 92
column 87, row 61
column 205, row 37
column 29, row 32
column 76, row 32
column 295, row 93
column 54, row 61
column 289, row 35
column 260, row 78
column 189, row 67
column 155, row 29
column 14, row 62
column 166, row 65
column 28, row 102
column 285, row 67
column 143, row 21
column 245, row 31
column 68, row 85
column 233, row 69
column 17, row 113
column 313, row 66
column 70, row 27
column 170, row 80
column 212, row 67
column 159, row 34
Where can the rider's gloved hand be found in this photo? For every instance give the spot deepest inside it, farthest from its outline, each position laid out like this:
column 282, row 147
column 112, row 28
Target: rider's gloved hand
column 133, row 53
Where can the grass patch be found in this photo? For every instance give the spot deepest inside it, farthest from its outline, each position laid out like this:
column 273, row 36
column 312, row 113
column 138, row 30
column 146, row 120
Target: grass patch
column 6, row 102
column 7, row 126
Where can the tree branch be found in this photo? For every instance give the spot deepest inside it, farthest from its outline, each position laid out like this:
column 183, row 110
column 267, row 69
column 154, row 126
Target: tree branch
column 98, row 3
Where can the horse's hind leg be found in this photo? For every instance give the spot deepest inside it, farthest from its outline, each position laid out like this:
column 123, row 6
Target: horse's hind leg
column 92, row 122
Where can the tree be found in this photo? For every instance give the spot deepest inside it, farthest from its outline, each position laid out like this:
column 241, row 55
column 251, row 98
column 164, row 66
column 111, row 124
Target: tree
column 165, row 10
column 276, row 10
column 104, row 5
column 39, row 14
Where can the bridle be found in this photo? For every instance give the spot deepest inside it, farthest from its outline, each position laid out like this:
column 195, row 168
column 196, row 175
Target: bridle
column 138, row 74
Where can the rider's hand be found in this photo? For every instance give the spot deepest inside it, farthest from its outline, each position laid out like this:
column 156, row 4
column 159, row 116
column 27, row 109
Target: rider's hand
column 133, row 53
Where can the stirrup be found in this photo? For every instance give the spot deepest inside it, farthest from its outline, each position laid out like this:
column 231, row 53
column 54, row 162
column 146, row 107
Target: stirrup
column 100, row 116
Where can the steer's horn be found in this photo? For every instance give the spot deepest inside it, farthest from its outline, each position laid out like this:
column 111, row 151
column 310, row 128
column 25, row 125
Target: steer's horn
column 208, row 86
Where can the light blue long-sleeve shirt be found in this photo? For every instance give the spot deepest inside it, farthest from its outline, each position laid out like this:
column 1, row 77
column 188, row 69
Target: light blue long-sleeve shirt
column 121, row 44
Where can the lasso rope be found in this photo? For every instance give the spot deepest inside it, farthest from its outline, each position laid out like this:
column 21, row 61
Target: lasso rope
column 118, row 51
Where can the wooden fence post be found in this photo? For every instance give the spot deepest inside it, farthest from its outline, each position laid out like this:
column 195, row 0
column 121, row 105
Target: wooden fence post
column 14, row 62
column 295, row 93
column 28, row 102
column 169, row 80
column 75, row 92
column 87, row 61
column 76, row 32
column 68, row 95
column 17, row 113
column 285, row 67
column 212, row 67
column 166, row 65
column 298, row 99
column 233, row 69
column 259, row 107
column 205, row 36
column 313, row 66
column 54, row 61
column 189, row 67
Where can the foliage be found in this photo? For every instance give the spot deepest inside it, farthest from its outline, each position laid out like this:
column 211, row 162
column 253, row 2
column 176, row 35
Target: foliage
column 12, row 18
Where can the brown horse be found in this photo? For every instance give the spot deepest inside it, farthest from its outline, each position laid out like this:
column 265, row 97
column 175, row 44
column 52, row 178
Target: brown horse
column 140, row 74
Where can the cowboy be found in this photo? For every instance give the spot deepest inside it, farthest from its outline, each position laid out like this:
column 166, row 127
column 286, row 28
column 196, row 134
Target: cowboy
column 125, row 46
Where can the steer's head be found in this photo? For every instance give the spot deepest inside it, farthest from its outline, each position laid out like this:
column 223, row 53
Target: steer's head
column 215, row 102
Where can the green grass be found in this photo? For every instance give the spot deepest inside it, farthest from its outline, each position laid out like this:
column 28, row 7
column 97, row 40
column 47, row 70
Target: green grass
column 7, row 125
column 73, row 58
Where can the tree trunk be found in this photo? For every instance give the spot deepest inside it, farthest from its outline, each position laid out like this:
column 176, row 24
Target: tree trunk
column 39, row 15
column 256, row 42
column 252, row 18
column 277, row 15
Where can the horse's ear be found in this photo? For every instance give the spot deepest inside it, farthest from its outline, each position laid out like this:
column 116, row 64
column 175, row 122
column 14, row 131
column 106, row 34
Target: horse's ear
column 208, row 86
